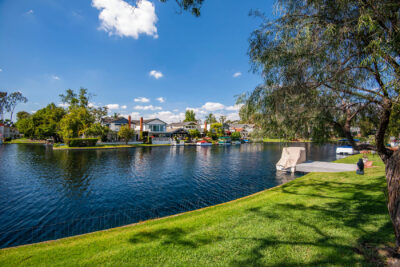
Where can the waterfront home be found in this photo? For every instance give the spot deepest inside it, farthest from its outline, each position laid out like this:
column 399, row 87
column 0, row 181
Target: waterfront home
column 114, row 123
column 244, row 129
column 156, row 128
column 189, row 125
column 6, row 131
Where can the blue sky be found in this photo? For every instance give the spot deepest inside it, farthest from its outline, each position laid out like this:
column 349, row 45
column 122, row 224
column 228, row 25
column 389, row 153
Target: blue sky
column 151, row 61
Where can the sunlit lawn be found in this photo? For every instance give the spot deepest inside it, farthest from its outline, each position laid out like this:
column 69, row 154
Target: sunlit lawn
column 318, row 219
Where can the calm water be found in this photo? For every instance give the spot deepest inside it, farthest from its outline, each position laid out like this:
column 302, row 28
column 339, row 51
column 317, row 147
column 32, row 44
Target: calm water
column 46, row 194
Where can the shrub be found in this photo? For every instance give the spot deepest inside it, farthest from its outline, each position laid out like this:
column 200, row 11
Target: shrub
column 81, row 142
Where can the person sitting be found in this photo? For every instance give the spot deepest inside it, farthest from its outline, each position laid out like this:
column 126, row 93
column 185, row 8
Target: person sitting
column 360, row 167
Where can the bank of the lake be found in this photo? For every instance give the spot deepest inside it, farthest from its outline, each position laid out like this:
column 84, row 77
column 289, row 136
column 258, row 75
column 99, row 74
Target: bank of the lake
column 25, row 141
column 318, row 219
column 65, row 147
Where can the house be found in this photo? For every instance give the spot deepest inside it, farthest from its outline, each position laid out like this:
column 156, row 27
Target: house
column 114, row 123
column 244, row 129
column 156, row 129
column 189, row 125
column 7, row 131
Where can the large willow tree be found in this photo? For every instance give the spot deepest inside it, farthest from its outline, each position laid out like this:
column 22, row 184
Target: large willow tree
column 324, row 64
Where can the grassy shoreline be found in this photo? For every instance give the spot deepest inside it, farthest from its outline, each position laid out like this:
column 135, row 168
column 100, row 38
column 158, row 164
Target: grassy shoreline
column 318, row 219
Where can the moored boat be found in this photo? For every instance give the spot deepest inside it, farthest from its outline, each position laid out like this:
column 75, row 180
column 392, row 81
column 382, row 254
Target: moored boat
column 203, row 143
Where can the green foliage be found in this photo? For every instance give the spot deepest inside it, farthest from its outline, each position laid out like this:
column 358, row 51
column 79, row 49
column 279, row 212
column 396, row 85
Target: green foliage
column 190, row 116
column 394, row 125
column 217, row 129
column 235, row 135
column 194, row 133
column 43, row 124
column 211, row 118
column 97, row 130
column 26, row 127
column 126, row 133
column 81, row 142
column 76, row 122
column 23, row 115
column 324, row 63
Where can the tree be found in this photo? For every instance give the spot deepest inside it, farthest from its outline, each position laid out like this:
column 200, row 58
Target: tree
column 23, row 115
column 194, row 133
column 235, row 135
column 76, row 122
column 81, row 115
column 324, row 63
column 43, row 124
column 211, row 118
column 3, row 105
column 13, row 100
column 126, row 133
column 190, row 116
column 98, row 130
column 222, row 119
column 192, row 5
column 217, row 129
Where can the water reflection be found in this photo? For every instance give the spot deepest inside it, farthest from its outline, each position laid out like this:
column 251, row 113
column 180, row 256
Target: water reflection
column 40, row 186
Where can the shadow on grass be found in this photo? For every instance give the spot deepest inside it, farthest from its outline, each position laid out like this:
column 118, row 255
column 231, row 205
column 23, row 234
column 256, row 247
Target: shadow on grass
column 174, row 236
column 340, row 223
column 350, row 206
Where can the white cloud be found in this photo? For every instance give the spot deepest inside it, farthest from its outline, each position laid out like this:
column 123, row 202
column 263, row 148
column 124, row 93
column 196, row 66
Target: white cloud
column 156, row 74
column 161, row 99
column 29, row 12
column 199, row 111
column 63, row 105
column 142, row 99
column 168, row 116
column 134, row 115
column 92, row 105
column 234, row 107
column 149, row 107
column 233, row 116
column 124, row 106
column 237, row 74
column 121, row 18
column 112, row 106
column 176, row 110
column 1, row 70
column 212, row 106
column 55, row 77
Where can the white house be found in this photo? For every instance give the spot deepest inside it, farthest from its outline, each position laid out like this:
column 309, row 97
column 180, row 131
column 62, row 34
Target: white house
column 156, row 128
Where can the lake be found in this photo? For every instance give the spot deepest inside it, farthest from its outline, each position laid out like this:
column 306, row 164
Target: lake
column 46, row 194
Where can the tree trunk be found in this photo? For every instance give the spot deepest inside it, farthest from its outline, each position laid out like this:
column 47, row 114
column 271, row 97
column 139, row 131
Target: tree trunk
column 392, row 165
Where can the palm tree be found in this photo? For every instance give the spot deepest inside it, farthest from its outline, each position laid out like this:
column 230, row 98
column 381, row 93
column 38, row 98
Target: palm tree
column 211, row 118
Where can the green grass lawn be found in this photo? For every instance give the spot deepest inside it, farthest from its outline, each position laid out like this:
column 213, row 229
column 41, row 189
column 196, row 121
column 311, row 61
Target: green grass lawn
column 335, row 219
column 25, row 141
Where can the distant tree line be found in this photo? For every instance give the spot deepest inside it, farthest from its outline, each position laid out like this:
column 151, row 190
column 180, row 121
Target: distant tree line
column 78, row 119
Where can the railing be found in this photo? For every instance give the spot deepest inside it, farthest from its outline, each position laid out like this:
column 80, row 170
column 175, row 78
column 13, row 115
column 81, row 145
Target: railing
column 79, row 226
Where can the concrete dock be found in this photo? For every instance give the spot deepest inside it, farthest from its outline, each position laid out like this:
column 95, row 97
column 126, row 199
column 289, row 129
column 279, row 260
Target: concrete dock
column 320, row 166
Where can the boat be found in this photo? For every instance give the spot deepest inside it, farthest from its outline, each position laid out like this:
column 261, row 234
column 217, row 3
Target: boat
column 224, row 140
column 236, row 142
column 347, row 149
column 203, row 143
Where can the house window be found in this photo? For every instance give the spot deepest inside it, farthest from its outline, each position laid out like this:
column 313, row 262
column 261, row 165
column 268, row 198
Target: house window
column 157, row 128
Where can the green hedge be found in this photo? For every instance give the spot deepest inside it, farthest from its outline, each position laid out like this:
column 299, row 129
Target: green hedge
column 81, row 142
